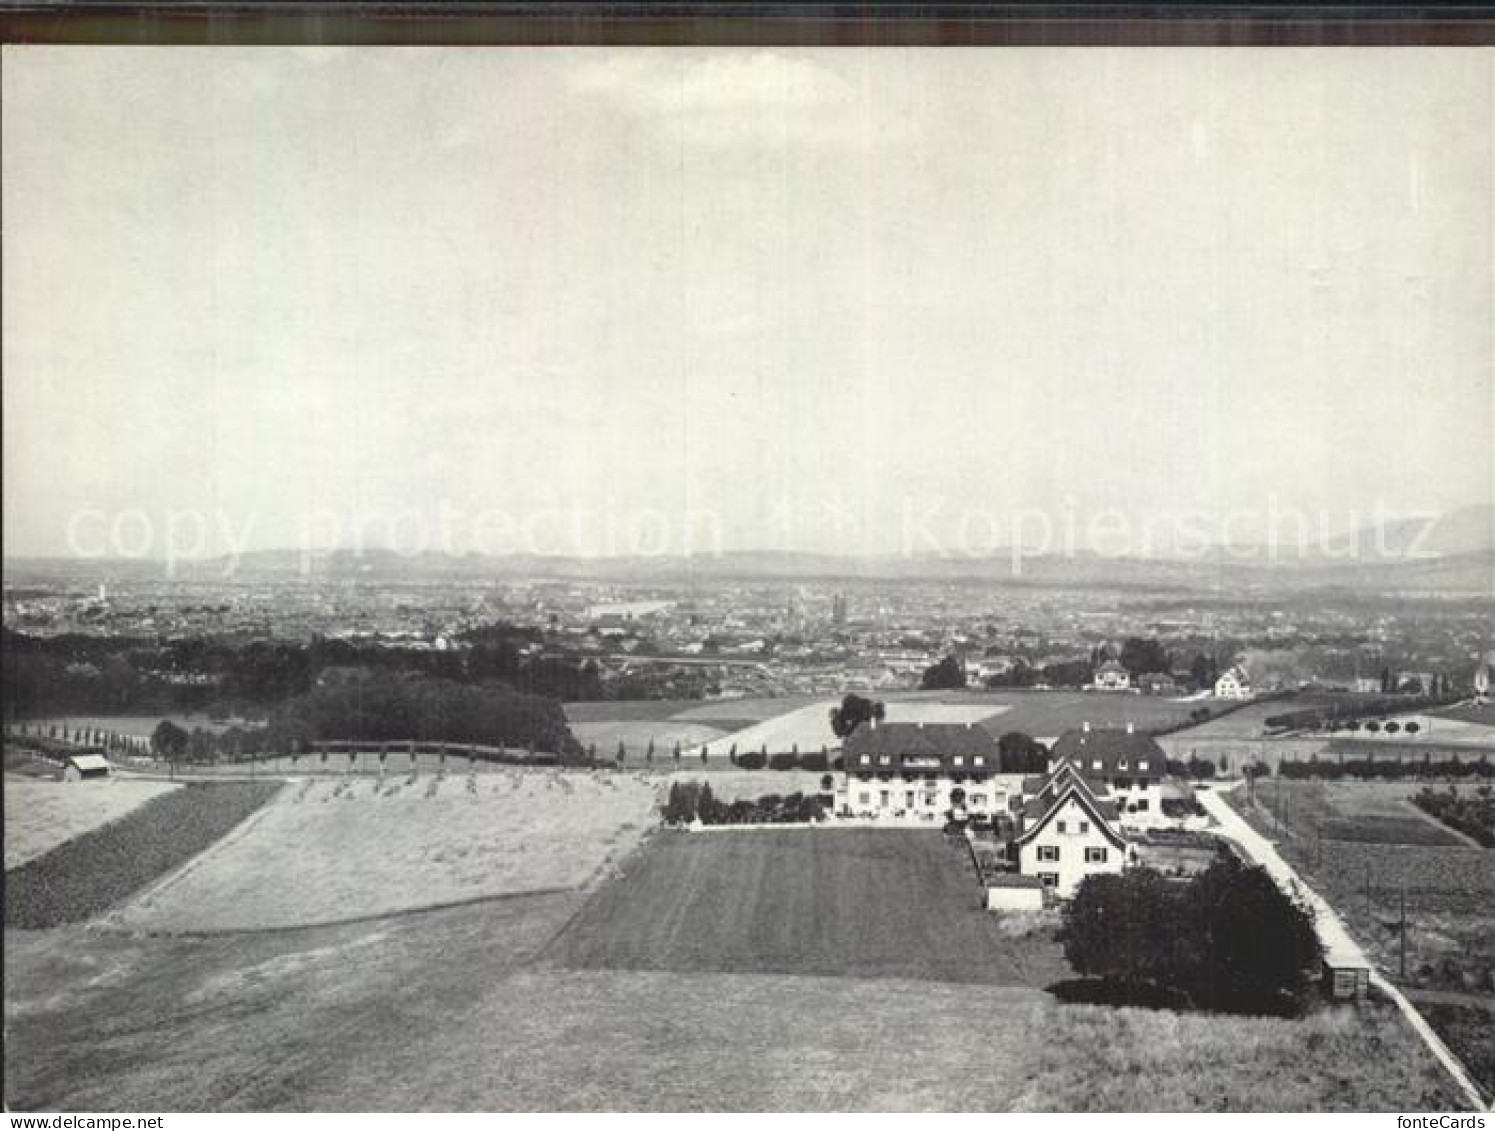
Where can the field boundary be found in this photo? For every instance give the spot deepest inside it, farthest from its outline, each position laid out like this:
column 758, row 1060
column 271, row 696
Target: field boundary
column 161, row 883
column 105, row 927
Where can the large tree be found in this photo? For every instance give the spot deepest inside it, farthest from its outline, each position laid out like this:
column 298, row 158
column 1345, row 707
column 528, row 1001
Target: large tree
column 169, row 740
column 944, row 675
column 1140, row 656
column 1022, row 754
column 853, row 712
column 1230, row 939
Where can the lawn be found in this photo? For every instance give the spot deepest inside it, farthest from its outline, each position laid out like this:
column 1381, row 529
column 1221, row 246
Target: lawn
column 331, row 850
column 101, row 868
column 40, row 815
column 459, row 1010
column 853, row 902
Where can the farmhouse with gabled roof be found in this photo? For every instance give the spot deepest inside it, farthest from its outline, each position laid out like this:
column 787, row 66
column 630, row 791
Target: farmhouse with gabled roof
column 1068, row 833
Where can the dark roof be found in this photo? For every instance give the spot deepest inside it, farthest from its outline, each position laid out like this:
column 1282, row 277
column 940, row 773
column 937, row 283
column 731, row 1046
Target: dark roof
column 923, row 744
column 1084, row 747
column 1104, row 814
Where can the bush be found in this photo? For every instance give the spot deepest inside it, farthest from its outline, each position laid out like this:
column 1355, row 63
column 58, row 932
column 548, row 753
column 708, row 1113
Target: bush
column 782, row 761
column 817, row 761
column 1230, row 939
column 751, row 760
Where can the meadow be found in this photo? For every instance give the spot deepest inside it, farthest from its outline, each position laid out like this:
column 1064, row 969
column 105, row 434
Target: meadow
column 332, row 850
column 852, row 902
column 40, row 815
column 101, row 868
column 483, row 1007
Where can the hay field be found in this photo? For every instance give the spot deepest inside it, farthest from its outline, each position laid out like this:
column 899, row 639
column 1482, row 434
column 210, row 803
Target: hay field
column 40, row 815
column 332, row 850
column 636, row 734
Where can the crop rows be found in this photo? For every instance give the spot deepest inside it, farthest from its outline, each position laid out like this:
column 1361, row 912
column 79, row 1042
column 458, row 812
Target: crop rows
column 92, row 873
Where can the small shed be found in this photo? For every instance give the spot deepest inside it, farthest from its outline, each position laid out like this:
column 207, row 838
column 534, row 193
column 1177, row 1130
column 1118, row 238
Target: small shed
column 85, row 767
column 1014, row 893
column 1345, row 979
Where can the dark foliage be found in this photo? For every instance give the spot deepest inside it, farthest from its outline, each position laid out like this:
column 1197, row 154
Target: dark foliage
column 944, row 675
column 689, row 801
column 1022, row 754
column 852, row 713
column 91, row 873
column 1228, row 940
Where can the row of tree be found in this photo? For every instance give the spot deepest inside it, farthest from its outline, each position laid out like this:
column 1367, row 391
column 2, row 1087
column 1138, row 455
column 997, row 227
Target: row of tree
column 1389, row 769
column 694, row 801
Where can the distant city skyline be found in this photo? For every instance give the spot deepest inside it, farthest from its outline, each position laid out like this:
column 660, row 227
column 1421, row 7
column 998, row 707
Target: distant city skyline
column 849, row 301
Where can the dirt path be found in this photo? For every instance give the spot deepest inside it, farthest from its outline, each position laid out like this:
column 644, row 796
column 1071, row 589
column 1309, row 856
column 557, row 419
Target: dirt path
column 1339, row 947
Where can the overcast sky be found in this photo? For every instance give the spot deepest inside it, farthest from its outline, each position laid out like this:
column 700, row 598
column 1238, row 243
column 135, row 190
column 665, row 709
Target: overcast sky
column 815, row 294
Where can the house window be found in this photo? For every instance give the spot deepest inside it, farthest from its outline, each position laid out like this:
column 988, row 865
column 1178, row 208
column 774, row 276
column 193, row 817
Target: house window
column 1121, row 765
column 959, row 760
column 977, row 801
column 1049, row 879
column 882, row 798
column 883, row 759
column 908, row 799
column 865, row 759
column 1061, row 828
column 864, row 798
column 1142, row 765
column 1084, row 826
column 979, row 760
column 930, row 799
column 1095, row 764
column 1141, row 804
column 1095, row 855
column 1048, row 853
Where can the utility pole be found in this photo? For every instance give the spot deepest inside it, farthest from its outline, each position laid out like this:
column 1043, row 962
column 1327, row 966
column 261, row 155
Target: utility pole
column 1404, row 933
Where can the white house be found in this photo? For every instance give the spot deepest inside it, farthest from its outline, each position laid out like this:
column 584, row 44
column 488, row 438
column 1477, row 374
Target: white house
column 1068, row 834
column 923, row 770
column 1111, row 676
column 1234, row 683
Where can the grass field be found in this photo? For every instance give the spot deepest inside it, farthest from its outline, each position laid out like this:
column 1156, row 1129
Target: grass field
column 466, row 1009
column 40, row 815
column 140, row 726
column 101, row 868
column 853, row 902
column 636, row 734
column 334, row 850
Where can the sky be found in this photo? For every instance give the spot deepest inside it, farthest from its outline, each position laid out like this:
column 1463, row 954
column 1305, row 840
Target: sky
column 592, row 300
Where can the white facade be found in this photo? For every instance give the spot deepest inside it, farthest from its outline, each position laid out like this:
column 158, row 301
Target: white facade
column 1111, row 676
column 865, row 792
column 1071, row 843
column 1233, row 684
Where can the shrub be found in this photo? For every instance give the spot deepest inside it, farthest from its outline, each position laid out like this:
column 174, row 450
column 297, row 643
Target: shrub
column 1230, row 939
column 751, row 760
column 817, row 761
column 782, row 761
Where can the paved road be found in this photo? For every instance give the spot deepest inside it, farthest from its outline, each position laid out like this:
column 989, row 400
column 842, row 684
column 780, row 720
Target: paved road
column 1339, row 947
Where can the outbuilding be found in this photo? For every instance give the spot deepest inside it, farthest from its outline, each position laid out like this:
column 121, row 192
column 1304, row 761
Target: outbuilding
column 85, row 767
column 1014, row 893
